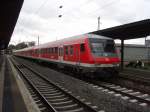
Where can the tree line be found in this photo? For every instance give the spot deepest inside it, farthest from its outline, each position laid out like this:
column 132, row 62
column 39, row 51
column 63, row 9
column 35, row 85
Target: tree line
column 21, row 45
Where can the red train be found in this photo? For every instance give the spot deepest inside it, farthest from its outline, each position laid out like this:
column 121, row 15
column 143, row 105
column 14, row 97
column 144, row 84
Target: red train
column 87, row 53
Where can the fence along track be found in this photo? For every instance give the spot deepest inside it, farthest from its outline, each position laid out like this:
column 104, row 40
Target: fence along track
column 51, row 97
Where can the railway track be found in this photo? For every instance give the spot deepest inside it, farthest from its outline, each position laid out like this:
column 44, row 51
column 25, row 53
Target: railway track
column 51, row 97
column 133, row 96
column 135, row 78
column 127, row 94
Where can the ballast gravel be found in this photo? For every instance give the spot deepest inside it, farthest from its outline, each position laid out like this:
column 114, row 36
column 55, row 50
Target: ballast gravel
column 103, row 98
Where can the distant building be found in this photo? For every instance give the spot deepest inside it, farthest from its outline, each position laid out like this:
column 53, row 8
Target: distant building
column 133, row 52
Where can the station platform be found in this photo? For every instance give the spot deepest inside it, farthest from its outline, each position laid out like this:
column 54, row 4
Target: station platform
column 13, row 96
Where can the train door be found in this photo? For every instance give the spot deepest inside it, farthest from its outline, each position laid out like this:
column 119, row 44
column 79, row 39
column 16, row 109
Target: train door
column 77, row 54
column 60, row 54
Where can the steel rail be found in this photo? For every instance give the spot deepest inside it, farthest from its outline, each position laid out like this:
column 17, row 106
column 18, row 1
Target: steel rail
column 121, row 92
column 117, row 91
column 48, row 105
column 89, row 108
column 137, row 79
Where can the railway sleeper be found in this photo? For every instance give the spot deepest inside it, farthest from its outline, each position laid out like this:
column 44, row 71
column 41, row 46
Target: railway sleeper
column 63, row 102
column 53, row 97
column 58, row 99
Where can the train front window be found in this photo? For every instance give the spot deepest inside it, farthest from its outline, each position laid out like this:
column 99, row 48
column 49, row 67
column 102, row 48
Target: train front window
column 97, row 47
column 102, row 47
column 109, row 46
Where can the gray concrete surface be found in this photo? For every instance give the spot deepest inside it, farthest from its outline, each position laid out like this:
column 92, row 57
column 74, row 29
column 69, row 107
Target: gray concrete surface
column 2, row 66
column 27, row 98
column 12, row 100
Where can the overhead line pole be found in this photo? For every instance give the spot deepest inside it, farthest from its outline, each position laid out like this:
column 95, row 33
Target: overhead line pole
column 38, row 46
column 38, row 40
column 98, row 23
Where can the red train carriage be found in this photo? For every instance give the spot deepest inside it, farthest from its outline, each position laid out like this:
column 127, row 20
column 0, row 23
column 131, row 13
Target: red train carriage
column 84, row 53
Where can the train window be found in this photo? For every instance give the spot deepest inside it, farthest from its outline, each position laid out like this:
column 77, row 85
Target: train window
column 46, row 50
column 61, row 51
column 56, row 49
column 71, row 50
column 37, row 51
column 42, row 51
column 102, row 47
column 82, row 47
column 53, row 50
column 66, row 50
column 49, row 50
column 109, row 46
column 97, row 47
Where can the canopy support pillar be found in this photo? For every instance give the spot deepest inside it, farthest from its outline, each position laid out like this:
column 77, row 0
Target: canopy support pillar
column 122, row 54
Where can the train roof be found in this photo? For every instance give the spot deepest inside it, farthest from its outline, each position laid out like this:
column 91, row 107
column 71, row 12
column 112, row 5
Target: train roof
column 78, row 38
column 24, row 49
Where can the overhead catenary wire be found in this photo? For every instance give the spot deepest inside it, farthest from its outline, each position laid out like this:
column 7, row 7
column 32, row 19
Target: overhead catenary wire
column 68, row 12
column 41, row 6
column 35, row 12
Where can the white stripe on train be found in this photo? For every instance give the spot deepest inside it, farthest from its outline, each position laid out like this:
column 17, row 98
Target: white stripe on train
column 75, row 63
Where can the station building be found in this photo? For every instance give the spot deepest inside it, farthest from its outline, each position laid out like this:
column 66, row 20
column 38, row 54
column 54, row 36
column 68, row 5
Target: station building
column 133, row 52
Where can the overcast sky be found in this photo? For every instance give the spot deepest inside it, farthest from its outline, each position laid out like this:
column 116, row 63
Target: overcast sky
column 40, row 18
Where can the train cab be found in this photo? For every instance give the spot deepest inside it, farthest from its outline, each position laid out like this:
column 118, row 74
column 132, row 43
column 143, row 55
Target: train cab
column 101, row 54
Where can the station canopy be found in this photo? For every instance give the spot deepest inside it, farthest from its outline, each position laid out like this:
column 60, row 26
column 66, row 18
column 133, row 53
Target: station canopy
column 133, row 30
column 9, row 12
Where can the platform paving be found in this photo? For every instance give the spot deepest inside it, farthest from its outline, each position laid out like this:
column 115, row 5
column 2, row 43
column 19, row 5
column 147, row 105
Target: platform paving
column 27, row 98
column 2, row 66
column 10, row 96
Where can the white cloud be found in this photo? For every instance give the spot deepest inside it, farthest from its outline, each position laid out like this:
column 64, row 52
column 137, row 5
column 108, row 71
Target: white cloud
column 40, row 17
